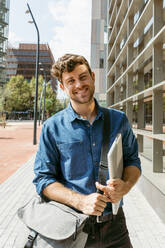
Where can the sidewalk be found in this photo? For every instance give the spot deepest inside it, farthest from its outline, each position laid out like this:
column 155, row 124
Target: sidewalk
column 16, row 146
column 145, row 227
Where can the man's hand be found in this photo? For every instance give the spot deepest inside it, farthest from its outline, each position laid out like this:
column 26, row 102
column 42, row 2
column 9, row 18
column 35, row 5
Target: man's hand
column 117, row 188
column 114, row 190
column 93, row 204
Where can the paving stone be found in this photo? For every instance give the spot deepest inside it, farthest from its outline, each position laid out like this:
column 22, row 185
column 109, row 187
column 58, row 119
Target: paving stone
column 145, row 227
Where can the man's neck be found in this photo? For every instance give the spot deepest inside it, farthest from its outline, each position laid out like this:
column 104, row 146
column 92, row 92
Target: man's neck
column 86, row 110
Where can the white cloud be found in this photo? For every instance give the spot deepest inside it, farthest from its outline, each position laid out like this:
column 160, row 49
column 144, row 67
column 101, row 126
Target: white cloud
column 72, row 30
column 14, row 39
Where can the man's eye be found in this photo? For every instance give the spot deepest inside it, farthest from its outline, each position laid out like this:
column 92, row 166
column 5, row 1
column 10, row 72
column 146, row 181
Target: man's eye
column 71, row 81
column 83, row 78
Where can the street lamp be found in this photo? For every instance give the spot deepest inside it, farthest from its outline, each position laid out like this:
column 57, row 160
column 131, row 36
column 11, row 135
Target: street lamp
column 43, row 112
column 42, row 68
column 43, row 93
column 36, row 76
column 40, row 105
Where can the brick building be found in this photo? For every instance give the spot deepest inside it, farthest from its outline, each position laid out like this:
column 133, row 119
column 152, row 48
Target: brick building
column 22, row 61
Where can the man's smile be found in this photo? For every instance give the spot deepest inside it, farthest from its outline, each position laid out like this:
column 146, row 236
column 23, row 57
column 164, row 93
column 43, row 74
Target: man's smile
column 82, row 91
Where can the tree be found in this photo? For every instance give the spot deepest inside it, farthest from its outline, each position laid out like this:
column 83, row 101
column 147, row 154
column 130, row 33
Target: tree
column 18, row 93
column 1, row 99
column 32, row 90
column 52, row 104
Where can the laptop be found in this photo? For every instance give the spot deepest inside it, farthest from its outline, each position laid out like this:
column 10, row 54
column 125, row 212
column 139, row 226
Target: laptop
column 115, row 164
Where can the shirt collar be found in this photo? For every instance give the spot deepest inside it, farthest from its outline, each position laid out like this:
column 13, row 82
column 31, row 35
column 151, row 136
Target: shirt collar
column 72, row 115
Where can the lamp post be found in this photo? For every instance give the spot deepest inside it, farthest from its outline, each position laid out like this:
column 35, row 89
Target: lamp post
column 45, row 84
column 36, row 76
column 43, row 111
column 40, row 105
column 43, row 93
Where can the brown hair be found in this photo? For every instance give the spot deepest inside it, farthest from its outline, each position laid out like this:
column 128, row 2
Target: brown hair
column 67, row 63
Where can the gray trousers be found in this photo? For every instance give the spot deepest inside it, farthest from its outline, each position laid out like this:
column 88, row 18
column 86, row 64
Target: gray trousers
column 110, row 234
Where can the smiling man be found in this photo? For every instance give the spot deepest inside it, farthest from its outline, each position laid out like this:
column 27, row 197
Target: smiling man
column 67, row 162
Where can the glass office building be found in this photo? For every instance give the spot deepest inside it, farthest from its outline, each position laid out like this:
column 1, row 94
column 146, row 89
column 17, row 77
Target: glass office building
column 4, row 21
column 98, row 47
column 136, row 84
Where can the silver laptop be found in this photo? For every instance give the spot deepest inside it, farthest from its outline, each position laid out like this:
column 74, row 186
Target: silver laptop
column 115, row 164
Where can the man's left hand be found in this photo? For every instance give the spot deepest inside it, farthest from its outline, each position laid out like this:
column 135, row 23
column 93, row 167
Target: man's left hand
column 114, row 190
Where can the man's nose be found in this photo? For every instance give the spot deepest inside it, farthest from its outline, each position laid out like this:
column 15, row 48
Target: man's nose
column 78, row 83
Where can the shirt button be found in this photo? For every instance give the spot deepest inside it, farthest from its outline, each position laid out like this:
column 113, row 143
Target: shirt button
column 93, row 144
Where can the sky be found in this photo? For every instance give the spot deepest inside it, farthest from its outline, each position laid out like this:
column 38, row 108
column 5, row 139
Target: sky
column 64, row 24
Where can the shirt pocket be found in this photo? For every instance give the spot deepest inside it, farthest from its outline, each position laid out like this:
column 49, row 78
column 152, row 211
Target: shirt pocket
column 73, row 160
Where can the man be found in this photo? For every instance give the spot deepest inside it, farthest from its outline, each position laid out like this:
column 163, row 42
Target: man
column 67, row 162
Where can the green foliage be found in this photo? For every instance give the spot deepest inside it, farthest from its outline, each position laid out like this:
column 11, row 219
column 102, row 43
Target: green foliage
column 32, row 90
column 52, row 104
column 2, row 99
column 18, row 95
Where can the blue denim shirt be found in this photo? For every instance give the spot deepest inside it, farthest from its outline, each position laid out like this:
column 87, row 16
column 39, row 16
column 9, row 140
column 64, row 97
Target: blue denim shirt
column 70, row 149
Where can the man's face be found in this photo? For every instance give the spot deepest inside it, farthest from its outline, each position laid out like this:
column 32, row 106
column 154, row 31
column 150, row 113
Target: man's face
column 79, row 84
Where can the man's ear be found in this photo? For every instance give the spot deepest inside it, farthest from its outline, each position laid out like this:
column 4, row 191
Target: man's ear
column 93, row 76
column 62, row 86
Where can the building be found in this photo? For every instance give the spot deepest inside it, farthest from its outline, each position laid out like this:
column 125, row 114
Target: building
column 98, row 47
column 136, row 84
column 4, row 21
column 22, row 61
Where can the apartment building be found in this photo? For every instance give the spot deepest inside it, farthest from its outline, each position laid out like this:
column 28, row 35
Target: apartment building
column 136, row 84
column 98, row 47
column 4, row 22
column 22, row 61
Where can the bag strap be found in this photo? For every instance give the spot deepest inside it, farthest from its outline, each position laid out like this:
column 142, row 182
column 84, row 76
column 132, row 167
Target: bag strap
column 32, row 236
column 103, row 166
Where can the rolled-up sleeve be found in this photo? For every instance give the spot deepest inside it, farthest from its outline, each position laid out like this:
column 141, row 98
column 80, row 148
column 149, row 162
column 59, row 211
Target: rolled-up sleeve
column 46, row 166
column 130, row 146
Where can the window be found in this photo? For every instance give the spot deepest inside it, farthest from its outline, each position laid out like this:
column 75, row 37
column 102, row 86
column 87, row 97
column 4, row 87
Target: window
column 101, row 63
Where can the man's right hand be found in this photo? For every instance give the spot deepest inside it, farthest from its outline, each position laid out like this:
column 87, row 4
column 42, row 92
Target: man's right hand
column 93, row 204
